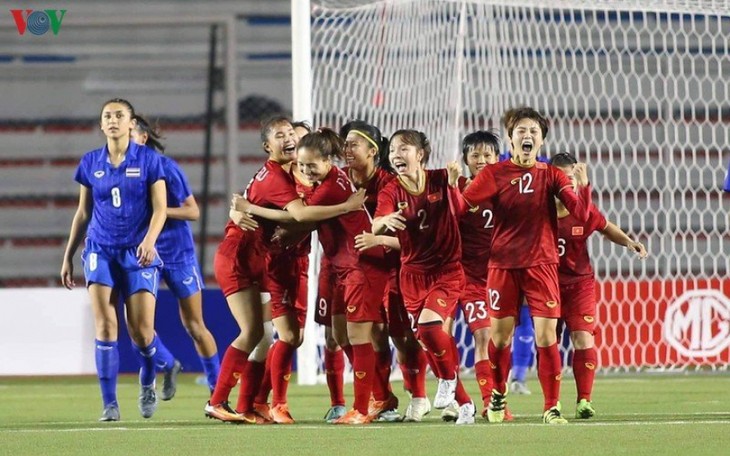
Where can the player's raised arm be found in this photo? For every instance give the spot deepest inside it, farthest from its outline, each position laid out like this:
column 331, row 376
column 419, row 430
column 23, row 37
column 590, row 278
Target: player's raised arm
column 367, row 240
column 616, row 235
column 482, row 188
column 297, row 211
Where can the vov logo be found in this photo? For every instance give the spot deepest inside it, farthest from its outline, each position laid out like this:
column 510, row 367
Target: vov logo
column 38, row 22
column 697, row 324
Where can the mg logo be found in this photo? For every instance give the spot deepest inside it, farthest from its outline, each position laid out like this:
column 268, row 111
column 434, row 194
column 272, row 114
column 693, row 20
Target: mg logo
column 697, row 324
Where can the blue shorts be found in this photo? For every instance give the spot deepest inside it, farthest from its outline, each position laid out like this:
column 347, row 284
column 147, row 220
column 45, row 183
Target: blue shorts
column 183, row 279
column 118, row 268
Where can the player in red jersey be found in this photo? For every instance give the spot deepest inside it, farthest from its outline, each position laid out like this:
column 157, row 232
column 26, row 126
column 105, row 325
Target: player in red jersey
column 524, row 255
column 479, row 149
column 363, row 275
column 366, row 155
column 578, row 285
column 273, row 186
column 420, row 207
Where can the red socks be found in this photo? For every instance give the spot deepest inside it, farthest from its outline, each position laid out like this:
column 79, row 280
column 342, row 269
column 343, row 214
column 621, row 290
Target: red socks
column 439, row 344
column 548, row 371
column 262, row 396
column 281, row 359
column 414, row 372
column 334, row 366
column 500, row 360
column 232, row 367
column 484, row 379
column 363, row 368
column 585, row 363
column 381, row 385
column 250, row 383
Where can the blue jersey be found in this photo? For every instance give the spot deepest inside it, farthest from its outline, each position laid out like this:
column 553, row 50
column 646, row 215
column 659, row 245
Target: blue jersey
column 175, row 244
column 727, row 179
column 121, row 196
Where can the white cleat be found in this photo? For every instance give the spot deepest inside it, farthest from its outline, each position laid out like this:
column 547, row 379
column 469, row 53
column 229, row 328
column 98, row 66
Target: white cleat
column 445, row 393
column 450, row 413
column 466, row 413
column 417, row 409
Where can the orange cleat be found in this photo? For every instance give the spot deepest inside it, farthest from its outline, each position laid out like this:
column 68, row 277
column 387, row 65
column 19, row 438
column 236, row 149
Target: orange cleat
column 353, row 417
column 507, row 414
column 376, row 408
column 280, row 414
column 263, row 410
column 254, row 418
column 225, row 413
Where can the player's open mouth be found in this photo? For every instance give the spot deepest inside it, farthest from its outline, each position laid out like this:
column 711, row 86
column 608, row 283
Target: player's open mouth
column 400, row 166
column 349, row 159
column 290, row 150
column 527, row 146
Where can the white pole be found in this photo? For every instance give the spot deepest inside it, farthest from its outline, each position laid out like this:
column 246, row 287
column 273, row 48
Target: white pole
column 232, row 178
column 307, row 358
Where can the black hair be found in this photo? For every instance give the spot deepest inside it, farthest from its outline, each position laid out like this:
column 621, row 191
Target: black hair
column 415, row 138
column 268, row 124
column 563, row 159
column 302, row 124
column 373, row 133
column 514, row 115
column 120, row 101
column 325, row 141
column 488, row 138
column 153, row 133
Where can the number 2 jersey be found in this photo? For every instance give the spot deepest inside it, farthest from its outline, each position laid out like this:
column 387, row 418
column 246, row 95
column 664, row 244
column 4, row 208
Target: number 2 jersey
column 525, row 214
column 431, row 239
column 121, row 196
column 476, row 226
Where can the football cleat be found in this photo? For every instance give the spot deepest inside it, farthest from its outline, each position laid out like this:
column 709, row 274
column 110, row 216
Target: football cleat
column 280, row 414
column 169, row 382
column 553, row 416
column 334, row 413
column 417, row 409
column 466, row 413
column 519, row 388
column 147, row 401
column 450, row 413
column 225, row 413
column 445, row 393
column 497, row 406
column 110, row 413
column 263, row 410
column 353, row 417
column 584, row 410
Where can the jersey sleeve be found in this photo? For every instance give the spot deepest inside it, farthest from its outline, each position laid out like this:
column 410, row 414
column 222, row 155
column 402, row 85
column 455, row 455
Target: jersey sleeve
column 278, row 190
column 386, row 201
column 329, row 193
column 577, row 204
column 81, row 175
column 596, row 220
column 482, row 188
column 155, row 168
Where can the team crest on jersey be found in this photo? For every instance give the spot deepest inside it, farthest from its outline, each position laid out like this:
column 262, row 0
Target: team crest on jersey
column 577, row 231
column 351, row 309
column 360, row 374
column 147, row 275
column 402, row 205
column 133, row 172
column 590, row 366
column 433, row 197
column 474, row 209
column 188, row 281
column 588, row 318
column 441, row 302
column 439, row 354
column 552, row 304
column 99, row 174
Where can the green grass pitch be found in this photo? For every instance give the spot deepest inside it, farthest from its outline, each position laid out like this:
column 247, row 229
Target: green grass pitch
column 640, row 414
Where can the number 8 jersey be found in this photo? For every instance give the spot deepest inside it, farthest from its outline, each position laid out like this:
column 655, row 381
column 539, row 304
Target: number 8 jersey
column 121, row 196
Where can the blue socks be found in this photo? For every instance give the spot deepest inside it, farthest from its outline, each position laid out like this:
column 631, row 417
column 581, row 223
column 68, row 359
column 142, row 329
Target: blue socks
column 211, row 367
column 522, row 346
column 107, row 369
column 155, row 354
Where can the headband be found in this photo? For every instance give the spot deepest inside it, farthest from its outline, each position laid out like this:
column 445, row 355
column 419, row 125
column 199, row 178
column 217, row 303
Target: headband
column 368, row 138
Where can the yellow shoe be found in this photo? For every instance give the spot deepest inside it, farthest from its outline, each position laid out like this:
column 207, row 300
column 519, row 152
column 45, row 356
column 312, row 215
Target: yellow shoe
column 553, row 416
column 225, row 413
column 353, row 417
column 280, row 414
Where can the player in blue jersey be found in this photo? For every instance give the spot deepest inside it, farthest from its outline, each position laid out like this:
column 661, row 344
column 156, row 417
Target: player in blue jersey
column 181, row 272
column 122, row 202
column 726, row 187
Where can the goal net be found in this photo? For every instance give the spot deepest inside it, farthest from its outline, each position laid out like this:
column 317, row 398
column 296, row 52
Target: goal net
column 637, row 89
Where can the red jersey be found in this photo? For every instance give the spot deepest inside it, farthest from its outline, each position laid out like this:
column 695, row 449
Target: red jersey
column 377, row 182
column 337, row 235
column 271, row 187
column 431, row 239
column 304, row 192
column 575, row 263
column 525, row 216
column 475, row 227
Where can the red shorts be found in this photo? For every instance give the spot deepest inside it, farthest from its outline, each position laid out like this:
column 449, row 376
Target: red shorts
column 286, row 279
column 331, row 297
column 399, row 325
column 538, row 285
column 238, row 264
column 364, row 291
column 438, row 291
column 473, row 303
column 578, row 305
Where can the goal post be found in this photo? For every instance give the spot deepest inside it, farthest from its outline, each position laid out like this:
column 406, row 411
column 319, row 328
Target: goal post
column 637, row 89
